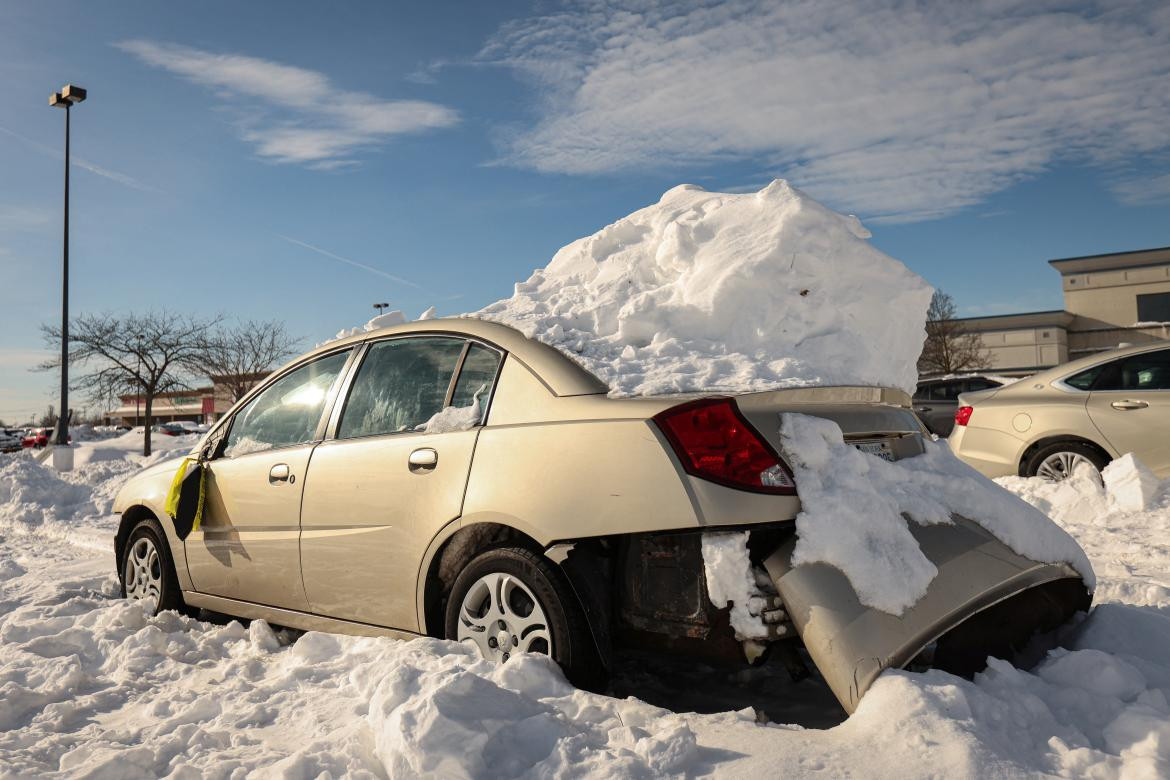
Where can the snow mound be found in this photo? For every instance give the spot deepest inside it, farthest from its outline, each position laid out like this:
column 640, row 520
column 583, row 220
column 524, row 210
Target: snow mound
column 1124, row 514
column 715, row 291
column 856, row 509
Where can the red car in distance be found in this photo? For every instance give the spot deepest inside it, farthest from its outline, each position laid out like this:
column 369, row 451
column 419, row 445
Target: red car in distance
column 39, row 437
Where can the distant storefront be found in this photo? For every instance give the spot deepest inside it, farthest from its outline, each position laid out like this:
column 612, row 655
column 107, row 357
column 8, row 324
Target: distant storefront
column 199, row 405
column 1109, row 300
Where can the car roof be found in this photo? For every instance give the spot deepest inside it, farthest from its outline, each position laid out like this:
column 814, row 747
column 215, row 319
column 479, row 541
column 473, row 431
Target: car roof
column 1075, row 366
column 559, row 372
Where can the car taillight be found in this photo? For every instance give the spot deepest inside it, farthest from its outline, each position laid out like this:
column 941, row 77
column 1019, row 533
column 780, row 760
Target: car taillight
column 963, row 415
column 713, row 441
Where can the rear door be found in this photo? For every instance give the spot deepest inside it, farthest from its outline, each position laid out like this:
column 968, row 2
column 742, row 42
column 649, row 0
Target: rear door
column 381, row 486
column 936, row 405
column 1130, row 405
column 247, row 545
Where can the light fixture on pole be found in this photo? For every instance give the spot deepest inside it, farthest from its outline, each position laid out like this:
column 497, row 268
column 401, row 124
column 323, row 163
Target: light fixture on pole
column 62, row 454
column 381, row 307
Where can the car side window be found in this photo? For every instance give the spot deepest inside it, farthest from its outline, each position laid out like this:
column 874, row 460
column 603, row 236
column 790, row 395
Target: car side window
column 975, row 385
column 947, row 391
column 287, row 412
column 1148, row 371
column 400, row 385
column 477, row 376
column 1085, row 379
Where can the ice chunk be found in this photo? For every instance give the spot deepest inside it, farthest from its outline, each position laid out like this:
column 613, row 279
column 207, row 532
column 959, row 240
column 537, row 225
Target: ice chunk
column 715, row 291
column 1131, row 486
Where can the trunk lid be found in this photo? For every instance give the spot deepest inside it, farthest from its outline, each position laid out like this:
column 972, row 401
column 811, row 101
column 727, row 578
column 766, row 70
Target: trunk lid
column 878, row 420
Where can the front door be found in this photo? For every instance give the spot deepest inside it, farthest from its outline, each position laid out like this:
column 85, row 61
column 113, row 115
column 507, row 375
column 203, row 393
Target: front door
column 247, row 546
column 1130, row 405
column 393, row 475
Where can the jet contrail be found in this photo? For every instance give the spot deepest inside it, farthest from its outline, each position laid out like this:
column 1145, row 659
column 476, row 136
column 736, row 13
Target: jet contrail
column 355, row 263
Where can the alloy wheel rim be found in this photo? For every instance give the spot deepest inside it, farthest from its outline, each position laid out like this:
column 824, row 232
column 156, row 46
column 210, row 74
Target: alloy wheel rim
column 1061, row 465
column 142, row 572
column 501, row 616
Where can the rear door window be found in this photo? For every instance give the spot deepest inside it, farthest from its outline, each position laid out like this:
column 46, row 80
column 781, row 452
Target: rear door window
column 1148, row 371
column 400, row 385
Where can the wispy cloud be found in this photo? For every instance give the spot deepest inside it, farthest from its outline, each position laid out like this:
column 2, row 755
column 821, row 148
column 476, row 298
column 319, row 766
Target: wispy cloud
column 295, row 115
column 1143, row 190
column 82, row 163
column 892, row 108
column 354, row 263
column 23, row 217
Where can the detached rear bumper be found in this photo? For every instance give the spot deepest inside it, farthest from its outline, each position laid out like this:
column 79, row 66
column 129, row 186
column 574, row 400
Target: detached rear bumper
column 986, row 600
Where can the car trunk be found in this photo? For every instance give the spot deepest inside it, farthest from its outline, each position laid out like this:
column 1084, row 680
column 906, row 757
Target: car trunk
column 985, row 599
column 875, row 419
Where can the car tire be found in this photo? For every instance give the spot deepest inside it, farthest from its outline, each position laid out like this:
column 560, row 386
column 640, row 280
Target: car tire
column 146, row 566
column 1070, row 452
column 528, row 574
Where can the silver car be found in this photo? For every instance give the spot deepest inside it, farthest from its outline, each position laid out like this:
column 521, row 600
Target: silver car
column 455, row 479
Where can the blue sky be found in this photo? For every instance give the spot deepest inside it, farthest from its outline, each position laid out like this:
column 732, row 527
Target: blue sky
column 230, row 153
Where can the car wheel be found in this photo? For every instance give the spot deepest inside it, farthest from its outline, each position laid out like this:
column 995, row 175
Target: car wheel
column 1058, row 461
column 147, row 572
column 509, row 600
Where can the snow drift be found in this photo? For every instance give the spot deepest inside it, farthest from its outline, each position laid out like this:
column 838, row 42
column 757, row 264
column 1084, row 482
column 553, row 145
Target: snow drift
column 715, row 291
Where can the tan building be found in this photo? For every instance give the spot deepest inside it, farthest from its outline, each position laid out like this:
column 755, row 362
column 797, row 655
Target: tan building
column 1109, row 300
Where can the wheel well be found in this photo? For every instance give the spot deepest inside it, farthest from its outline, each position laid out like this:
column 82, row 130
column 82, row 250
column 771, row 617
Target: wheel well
column 456, row 553
column 130, row 518
column 1039, row 444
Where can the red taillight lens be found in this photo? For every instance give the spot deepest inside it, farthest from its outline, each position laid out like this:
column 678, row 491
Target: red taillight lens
column 715, row 442
column 963, row 415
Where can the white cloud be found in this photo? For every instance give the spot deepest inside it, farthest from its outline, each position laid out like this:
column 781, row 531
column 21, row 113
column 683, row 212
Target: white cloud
column 23, row 217
column 295, row 115
column 1143, row 190
column 895, row 109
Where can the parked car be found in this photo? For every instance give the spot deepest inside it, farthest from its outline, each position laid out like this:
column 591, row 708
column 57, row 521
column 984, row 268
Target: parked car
column 1088, row 411
column 555, row 520
column 11, row 439
column 40, row 437
column 173, row 429
column 937, row 400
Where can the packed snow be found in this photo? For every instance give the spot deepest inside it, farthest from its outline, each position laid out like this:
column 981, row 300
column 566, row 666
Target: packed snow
column 91, row 686
column 714, row 291
column 731, row 581
column 855, row 510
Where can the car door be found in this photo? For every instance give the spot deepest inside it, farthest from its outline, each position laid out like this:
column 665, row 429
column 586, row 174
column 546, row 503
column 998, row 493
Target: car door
column 1130, row 404
column 247, row 546
column 381, row 486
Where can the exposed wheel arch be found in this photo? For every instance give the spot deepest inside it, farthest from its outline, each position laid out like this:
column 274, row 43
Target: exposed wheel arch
column 1039, row 444
column 453, row 555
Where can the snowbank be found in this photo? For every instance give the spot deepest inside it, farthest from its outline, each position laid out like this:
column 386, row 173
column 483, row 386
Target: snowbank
column 714, row 291
column 1125, row 511
column 855, row 510
column 90, row 686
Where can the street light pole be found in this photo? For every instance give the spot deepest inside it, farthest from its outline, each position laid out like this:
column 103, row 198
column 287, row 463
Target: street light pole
column 68, row 95
column 381, row 307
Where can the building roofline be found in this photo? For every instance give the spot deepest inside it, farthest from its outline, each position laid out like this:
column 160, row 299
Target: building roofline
column 1109, row 254
column 1018, row 314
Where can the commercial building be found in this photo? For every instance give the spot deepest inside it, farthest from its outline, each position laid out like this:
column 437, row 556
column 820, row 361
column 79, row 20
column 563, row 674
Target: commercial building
column 199, row 405
column 1109, row 300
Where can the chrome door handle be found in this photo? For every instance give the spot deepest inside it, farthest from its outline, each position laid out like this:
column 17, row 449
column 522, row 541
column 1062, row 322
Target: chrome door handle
column 1126, row 406
column 279, row 473
column 922, row 409
column 423, row 459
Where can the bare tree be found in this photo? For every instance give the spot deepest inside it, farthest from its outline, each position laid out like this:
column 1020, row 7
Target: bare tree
column 149, row 353
column 948, row 347
column 237, row 356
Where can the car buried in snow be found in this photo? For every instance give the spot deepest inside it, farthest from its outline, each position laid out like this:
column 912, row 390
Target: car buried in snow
column 453, row 478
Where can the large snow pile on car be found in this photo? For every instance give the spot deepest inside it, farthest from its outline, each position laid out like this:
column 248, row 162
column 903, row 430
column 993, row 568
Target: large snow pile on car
column 736, row 292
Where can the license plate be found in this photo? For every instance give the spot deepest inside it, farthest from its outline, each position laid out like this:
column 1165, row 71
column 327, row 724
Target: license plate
column 880, row 449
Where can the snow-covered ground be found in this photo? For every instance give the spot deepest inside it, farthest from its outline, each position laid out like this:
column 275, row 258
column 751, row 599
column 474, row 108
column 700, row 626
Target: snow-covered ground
column 90, row 686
